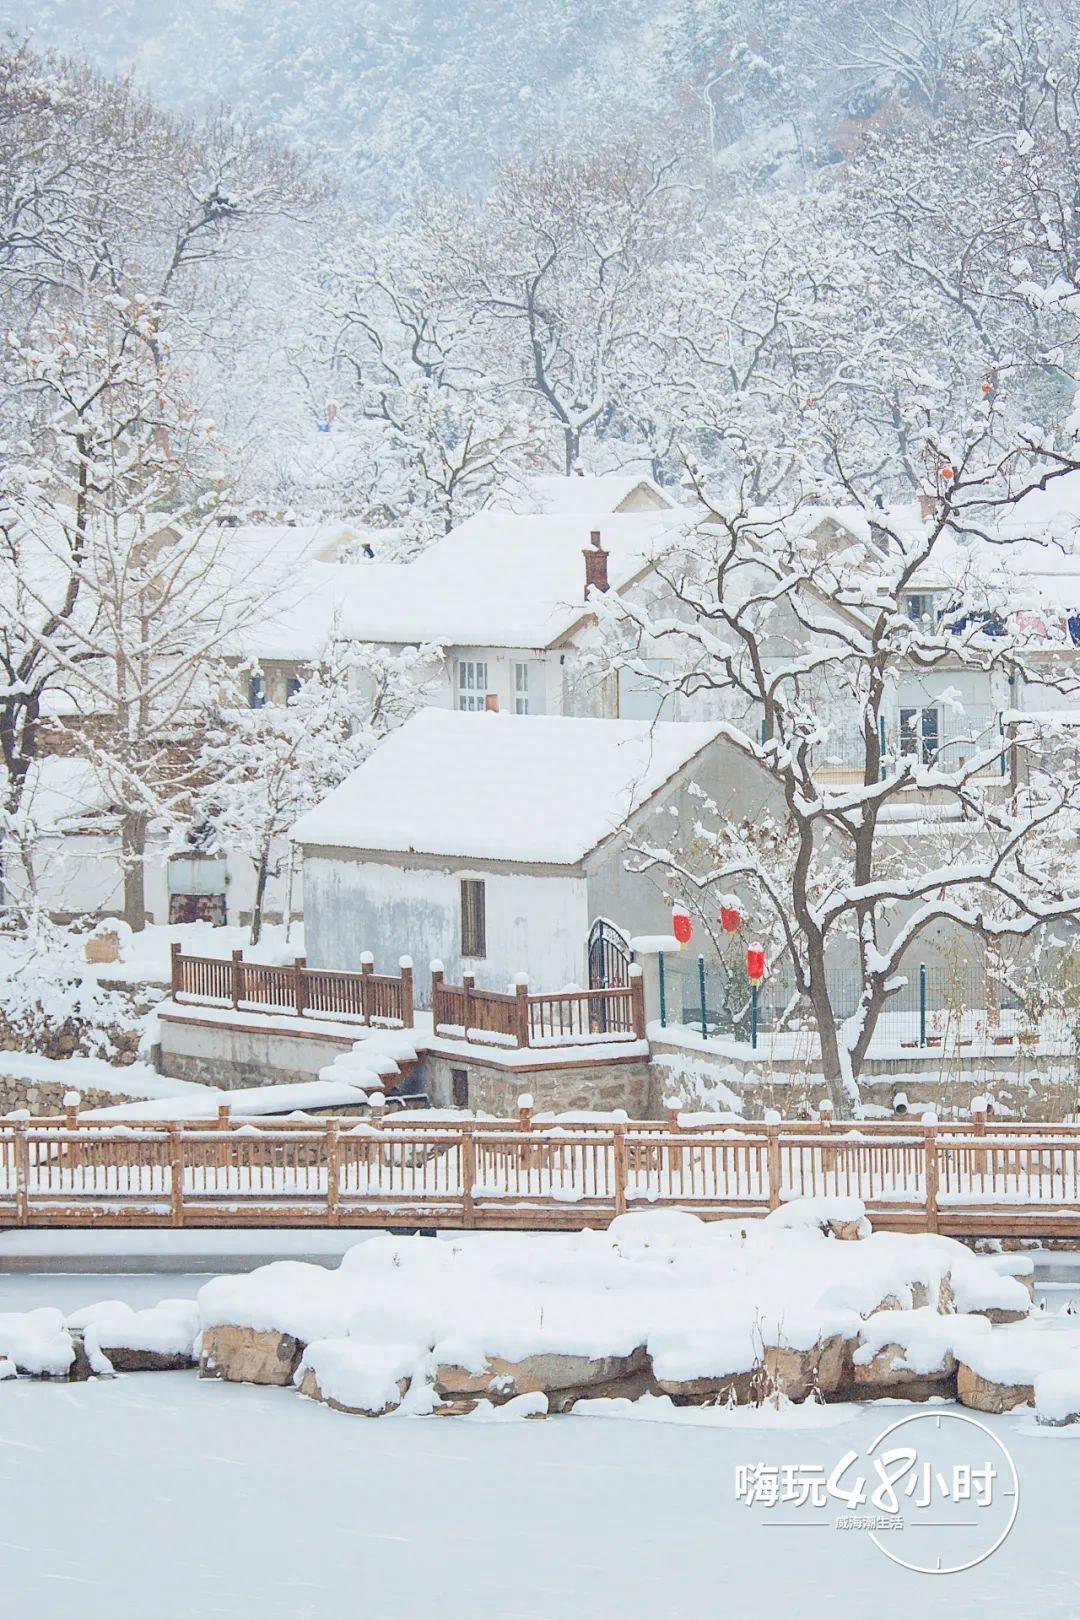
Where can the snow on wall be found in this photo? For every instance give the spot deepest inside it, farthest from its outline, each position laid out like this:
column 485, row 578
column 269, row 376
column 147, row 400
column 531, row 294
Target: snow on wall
column 535, row 925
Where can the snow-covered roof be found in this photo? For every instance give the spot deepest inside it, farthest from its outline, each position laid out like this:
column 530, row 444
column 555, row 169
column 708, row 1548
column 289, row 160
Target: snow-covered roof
column 294, row 568
column 549, row 494
column 501, row 579
column 532, row 788
column 62, row 792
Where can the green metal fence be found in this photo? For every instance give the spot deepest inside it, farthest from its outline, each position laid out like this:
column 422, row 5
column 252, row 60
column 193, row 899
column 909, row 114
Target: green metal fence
column 936, row 1007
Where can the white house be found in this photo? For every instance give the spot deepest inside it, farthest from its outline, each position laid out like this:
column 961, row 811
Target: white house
column 498, row 844
column 503, row 595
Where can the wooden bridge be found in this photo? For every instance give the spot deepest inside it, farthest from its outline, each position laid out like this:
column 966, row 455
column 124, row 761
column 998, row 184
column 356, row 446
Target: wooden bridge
column 961, row 1179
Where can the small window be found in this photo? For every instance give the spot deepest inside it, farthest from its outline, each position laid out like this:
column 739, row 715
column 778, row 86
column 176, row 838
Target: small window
column 473, row 920
column 257, row 691
column 920, row 734
column 293, row 683
column 459, row 1088
column 471, row 682
column 521, row 688
column 919, row 607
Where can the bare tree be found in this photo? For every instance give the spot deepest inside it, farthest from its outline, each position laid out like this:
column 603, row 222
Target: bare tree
column 861, row 830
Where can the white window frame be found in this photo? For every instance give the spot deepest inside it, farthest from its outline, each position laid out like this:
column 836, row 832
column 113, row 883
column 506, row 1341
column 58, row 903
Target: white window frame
column 470, row 684
column 918, row 740
column 521, row 688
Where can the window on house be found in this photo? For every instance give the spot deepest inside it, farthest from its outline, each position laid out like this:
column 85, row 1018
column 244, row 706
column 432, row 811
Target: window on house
column 473, row 918
column 919, row 607
column 257, row 691
column 521, row 688
column 920, row 734
column 459, row 1088
column 471, row 682
column 293, row 683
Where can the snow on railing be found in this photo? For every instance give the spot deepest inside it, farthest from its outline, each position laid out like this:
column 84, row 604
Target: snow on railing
column 534, row 1170
column 365, row 997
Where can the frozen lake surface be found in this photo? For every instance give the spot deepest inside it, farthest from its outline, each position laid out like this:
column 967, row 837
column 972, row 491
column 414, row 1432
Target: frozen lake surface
column 157, row 1497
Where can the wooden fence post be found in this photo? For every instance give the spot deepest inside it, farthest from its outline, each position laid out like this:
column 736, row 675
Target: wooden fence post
column 367, row 968
column 525, row 1116
column 468, row 1173
column 300, row 986
column 521, row 1009
column 224, row 1123
column 930, row 1158
column 618, row 1156
column 772, row 1156
column 468, row 985
column 437, row 975
column 176, row 968
column 828, row 1154
column 674, row 1147
column 22, row 1174
column 72, row 1156
column 637, row 1000
column 978, row 1128
column 408, row 1015
column 176, row 1174
column 333, row 1175
column 237, row 959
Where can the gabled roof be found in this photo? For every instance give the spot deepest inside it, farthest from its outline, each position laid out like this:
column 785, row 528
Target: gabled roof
column 501, row 579
column 550, row 494
column 530, row 788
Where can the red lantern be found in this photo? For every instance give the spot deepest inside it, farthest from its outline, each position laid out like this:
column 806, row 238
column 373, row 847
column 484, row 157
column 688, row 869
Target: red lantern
column 730, row 919
column 946, row 475
column 755, row 964
column 681, row 926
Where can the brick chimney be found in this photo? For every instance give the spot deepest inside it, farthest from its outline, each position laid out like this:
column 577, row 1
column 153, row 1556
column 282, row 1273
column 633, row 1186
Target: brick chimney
column 596, row 559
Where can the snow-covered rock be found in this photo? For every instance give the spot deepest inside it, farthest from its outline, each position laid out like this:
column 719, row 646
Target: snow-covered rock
column 843, row 1218
column 245, row 1355
column 367, row 1379
column 160, row 1339
column 1000, row 1370
column 37, row 1343
column 561, row 1378
column 911, row 1353
column 1057, row 1397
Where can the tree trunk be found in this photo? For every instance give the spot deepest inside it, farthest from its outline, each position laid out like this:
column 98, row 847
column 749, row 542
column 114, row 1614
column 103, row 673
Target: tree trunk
column 262, row 868
column 133, row 852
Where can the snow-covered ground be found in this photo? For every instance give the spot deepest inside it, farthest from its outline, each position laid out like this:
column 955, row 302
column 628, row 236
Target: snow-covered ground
column 93, row 1073
column 160, row 1497
column 145, row 956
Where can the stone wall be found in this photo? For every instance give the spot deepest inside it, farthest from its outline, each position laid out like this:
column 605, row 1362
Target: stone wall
column 1024, row 1085
column 71, row 1039
column 494, row 1088
column 45, row 1098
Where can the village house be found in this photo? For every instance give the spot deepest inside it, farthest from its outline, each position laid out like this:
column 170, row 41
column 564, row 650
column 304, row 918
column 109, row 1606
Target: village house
column 508, row 600
column 501, row 845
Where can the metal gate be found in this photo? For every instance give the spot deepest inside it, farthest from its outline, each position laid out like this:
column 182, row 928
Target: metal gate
column 609, row 955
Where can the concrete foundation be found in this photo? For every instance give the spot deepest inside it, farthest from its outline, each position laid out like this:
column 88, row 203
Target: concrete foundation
column 217, row 1052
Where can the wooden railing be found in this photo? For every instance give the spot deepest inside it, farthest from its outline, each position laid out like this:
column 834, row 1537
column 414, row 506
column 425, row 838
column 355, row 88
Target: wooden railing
column 365, row 997
column 529, row 1173
column 519, row 1018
